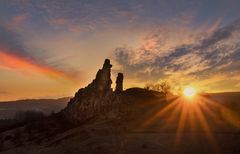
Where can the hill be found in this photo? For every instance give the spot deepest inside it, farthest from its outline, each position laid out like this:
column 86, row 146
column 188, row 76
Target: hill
column 10, row 108
column 225, row 97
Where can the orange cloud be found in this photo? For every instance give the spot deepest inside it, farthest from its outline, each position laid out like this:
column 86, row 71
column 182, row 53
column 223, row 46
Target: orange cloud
column 24, row 65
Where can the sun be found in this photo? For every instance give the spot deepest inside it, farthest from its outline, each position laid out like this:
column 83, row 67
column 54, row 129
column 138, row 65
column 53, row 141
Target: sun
column 189, row 92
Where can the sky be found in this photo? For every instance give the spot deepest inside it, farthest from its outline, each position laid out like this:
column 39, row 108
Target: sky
column 50, row 49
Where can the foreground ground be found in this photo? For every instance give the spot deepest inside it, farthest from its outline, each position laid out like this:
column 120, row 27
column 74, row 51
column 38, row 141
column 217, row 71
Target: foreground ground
column 142, row 125
column 104, row 140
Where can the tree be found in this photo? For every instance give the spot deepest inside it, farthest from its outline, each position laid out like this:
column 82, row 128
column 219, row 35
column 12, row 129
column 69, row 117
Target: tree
column 163, row 87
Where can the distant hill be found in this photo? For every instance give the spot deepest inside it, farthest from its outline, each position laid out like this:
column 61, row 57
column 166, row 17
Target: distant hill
column 226, row 97
column 9, row 108
column 230, row 99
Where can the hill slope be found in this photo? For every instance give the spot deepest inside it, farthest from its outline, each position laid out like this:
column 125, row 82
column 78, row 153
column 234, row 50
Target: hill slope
column 8, row 109
column 141, row 125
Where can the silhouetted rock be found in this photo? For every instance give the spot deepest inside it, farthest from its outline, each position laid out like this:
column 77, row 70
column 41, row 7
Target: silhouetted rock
column 98, row 97
column 119, row 83
column 103, row 78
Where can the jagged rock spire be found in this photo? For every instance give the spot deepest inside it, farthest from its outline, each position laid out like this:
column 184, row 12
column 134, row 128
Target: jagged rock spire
column 103, row 78
column 119, row 83
column 97, row 97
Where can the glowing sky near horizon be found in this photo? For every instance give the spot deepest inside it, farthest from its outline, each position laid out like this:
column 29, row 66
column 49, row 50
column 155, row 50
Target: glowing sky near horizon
column 50, row 49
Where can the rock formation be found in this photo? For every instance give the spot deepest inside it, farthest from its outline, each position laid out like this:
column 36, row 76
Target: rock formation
column 98, row 97
column 119, row 83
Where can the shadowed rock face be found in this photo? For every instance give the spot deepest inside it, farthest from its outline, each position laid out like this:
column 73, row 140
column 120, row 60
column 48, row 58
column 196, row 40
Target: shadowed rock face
column 119, row 83
column 97, row 97
column 103, row 78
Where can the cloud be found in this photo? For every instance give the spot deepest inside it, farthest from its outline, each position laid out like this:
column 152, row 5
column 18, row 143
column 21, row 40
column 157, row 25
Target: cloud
column 91, row 15
column 64, row 22
column 14, row 55
column 17, row 21
column 3, row 93
column 23, row 65
column 199, row 58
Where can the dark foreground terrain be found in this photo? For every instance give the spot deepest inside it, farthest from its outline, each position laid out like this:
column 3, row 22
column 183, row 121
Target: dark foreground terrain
column 146, row 122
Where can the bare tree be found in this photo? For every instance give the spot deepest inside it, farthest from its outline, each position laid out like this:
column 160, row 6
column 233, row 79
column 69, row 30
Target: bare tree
column 163, row 87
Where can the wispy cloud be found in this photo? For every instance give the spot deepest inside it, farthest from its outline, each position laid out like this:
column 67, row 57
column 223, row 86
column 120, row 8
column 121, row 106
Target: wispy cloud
column 202, row 57
column 24, row 66
column 14, row 55
column 3, row 92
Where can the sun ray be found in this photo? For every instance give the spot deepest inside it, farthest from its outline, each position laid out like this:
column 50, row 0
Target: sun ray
column 181, row 123
column 193, row 122
column 173, row 116
column 228, row 114
column 206, row 107
column 195, row 115
column 161, row 112
column 206, row 128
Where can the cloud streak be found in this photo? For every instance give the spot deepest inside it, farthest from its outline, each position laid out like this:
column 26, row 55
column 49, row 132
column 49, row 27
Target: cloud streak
column 23, row 65
column 14, row 56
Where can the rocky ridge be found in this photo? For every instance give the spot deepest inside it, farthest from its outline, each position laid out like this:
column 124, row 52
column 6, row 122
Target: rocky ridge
column 97, row 97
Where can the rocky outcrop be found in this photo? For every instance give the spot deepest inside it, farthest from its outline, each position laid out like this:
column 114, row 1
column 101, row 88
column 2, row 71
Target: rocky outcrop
column 119, row 83
column 98, row 97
